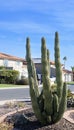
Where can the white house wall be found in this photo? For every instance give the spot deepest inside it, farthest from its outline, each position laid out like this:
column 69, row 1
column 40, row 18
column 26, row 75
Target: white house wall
column 1, row 63
column 67, row 77
column 16, row 65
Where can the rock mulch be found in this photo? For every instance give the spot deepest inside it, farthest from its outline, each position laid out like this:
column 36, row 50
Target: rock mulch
column 12, row 106
column 32, row 123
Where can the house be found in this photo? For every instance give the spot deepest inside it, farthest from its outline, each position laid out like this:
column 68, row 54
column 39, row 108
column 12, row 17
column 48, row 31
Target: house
column 66, row 74
column 14, row 63
column 20, row 64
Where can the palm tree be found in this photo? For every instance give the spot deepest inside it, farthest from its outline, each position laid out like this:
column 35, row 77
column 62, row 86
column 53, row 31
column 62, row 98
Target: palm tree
column 65, row 59
column 72, row 67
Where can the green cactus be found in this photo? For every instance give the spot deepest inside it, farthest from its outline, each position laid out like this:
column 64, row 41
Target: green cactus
column 48, row 105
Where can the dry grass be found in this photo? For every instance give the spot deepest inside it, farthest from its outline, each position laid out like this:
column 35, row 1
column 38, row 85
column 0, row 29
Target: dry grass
column 6, row 126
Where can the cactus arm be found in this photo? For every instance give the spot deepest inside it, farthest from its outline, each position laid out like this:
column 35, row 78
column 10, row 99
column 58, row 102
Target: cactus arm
column 62, row 105
column 58, row 67
column 48, row 59
column 41, row 115
column 31, row 67
column 45, row 57
column 46, row 83
column 35, row 79
column 33, row 90
column 34, row 100
column 28, row 58
column 55, row 104
column 63, row 102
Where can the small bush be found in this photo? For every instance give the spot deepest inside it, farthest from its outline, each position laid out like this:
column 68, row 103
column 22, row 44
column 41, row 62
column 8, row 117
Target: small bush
column 2, row 81
column 8, row 76
column 70, row 102
column 69, row 94
column 22, row 82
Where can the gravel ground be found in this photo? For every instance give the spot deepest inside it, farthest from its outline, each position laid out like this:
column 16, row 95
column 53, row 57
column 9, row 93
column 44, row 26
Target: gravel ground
column 33, row 123
column 12, row 106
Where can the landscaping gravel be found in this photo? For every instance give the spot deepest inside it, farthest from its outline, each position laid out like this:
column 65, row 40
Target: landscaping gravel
column 34, row 124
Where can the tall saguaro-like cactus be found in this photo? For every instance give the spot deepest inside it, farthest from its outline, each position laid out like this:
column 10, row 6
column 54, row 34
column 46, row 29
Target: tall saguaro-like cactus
column 48, row 105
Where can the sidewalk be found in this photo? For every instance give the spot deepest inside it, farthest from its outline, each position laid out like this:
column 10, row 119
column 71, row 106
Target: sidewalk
column 21, row 86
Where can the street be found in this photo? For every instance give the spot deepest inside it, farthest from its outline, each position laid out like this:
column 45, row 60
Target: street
column 20, row 93
column 15, row 93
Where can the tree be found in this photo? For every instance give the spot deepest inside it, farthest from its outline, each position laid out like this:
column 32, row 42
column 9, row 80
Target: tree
column 65, row 59
column 72, row 67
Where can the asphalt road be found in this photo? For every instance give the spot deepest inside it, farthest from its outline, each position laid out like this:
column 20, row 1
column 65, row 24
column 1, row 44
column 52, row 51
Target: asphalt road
column 20, row 93
column 15, row 93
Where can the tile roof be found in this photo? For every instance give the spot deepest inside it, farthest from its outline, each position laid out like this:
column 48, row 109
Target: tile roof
column 67, row 71
column 10, row 57
column 38, row 60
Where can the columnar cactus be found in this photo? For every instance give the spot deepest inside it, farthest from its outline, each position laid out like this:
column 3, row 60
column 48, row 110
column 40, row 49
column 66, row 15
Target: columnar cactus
column 48, row 105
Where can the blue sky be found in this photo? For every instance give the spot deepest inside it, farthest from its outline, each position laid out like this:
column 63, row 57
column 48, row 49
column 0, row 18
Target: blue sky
column 20, row 19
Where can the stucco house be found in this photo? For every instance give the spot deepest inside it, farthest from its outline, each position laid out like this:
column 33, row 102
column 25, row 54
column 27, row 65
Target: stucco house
column 67, row 75
column 20, row 64
column 14, row 63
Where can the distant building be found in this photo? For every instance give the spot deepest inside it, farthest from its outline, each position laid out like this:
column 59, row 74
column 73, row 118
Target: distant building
column 20, row 64
column 66, row 74
column 14, row 63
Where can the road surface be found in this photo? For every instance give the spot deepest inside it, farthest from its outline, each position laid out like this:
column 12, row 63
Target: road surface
column 14, row 93
column 20, row 93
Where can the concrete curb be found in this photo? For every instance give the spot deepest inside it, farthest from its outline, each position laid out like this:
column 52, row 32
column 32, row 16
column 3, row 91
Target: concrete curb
column 15, row 100
column 25, row 86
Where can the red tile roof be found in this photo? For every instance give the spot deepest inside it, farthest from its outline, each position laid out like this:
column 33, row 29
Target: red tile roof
column 10, row 57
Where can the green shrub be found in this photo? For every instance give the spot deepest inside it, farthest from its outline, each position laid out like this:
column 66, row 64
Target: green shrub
column 2, row 81
column 69, row 94
column 8, row 76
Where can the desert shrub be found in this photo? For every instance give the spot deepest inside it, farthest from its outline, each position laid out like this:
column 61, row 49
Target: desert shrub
column 70, row 99
column 70, row 102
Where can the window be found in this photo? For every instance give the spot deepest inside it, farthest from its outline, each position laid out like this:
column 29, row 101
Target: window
column 5, row 62
column 9, row 68
column 18, row 63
